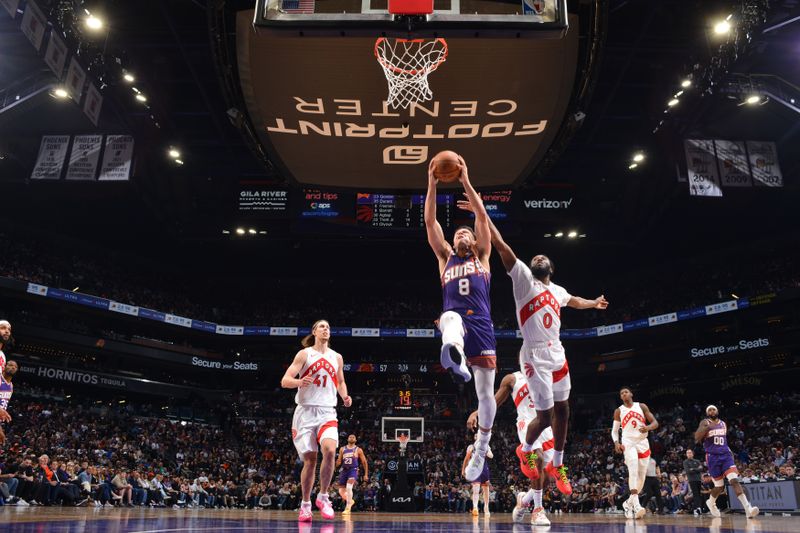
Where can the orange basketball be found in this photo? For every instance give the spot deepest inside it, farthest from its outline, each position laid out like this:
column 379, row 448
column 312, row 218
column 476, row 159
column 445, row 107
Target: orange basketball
column 446, row 166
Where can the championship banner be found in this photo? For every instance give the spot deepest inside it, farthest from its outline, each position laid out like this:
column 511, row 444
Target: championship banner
column 50, row 161
column 56, row 54
column 702, row 166
column 93, row 104
column 34, row 24
column 85, row 157
column 10, row 6
column 76, row 78
column 117, row 158
column 734, row 168
column 764, row 163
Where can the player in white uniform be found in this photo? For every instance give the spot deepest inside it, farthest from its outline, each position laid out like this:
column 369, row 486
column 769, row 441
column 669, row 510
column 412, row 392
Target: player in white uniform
column 317, row 374
column 515, row 386
column 542, row 359
column 636, row 421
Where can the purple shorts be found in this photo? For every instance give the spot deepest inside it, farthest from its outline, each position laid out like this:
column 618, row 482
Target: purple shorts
column 480, row 346
column 484, row 477
column 720, row 464
column 348, row 473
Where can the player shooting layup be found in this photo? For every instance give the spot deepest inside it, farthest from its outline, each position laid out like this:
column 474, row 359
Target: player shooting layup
column 466, row 322
column 321, row 376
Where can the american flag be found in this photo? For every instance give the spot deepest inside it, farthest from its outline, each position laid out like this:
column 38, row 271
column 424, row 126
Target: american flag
column 303, row 7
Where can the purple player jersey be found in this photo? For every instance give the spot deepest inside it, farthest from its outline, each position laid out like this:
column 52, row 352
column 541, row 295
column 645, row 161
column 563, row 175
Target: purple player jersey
column 465, row 285
column 350, row 458
column 716, row 441
column 6, row 390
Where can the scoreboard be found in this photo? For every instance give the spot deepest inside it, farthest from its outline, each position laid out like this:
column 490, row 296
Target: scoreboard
column 400, row 211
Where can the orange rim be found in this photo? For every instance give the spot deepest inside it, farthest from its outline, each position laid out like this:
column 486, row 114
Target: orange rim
column 384, row 63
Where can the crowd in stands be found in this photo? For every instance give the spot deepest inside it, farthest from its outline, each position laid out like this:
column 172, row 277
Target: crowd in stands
column 706, row 279
column 70, row 450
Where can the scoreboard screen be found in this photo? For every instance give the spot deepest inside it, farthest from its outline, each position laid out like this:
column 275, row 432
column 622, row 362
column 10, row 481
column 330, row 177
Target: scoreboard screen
column 330, row 206
column 406, row 211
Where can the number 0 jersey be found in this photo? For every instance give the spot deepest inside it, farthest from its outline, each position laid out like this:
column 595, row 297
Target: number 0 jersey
column 323, row 368
column 465, row 285
column 538, row 305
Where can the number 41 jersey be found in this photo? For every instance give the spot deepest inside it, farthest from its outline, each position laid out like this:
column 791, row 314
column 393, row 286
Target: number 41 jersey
column 323, row 368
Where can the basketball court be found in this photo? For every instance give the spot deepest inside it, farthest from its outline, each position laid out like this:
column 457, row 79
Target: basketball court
column 28, row 520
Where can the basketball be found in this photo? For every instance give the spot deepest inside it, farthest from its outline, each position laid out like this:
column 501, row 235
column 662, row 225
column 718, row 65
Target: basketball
column 446, row 166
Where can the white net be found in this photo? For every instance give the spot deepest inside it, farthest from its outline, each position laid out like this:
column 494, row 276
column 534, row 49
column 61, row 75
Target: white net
column 406, row 64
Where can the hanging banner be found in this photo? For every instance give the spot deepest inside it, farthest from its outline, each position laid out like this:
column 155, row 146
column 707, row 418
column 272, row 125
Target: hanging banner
column 117, row 158
column 734, row 168
column 93, row 104
column 764, row 163
column 34, row 24
column 702, row 166
column 10, row 6
column 84, row 158
column 56, row 54
column 76, row 78
column 50, row 161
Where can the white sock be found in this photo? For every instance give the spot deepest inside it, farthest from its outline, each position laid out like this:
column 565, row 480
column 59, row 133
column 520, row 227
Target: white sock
column 527, row 447
column 484, row 389
column 322, row 496
column 537, row 498
column 476, row 490
column 558, row 458
column 306, row 504
column 526, row 500
column 349, row 493
column 743, row 498
column 712, row 498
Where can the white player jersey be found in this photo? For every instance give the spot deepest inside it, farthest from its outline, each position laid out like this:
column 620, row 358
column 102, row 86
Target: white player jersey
column 2, row 361
column 631, row 420
column 324, row 369
column 522, row 398
column 538, row 305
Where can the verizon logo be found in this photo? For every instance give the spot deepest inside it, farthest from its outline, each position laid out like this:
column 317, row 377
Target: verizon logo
column 544, row 203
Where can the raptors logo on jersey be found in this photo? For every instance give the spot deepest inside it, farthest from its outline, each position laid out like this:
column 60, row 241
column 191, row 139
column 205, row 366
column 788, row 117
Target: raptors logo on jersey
column 538, row 305
column 322, row 368
column 522, row 398
column 632, row 419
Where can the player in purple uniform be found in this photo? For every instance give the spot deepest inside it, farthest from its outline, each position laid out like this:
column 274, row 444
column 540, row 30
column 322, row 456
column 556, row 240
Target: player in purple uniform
column 483, row 481
column 348, row 459
column 466, row 322
column 6, row 390
column 713, row 433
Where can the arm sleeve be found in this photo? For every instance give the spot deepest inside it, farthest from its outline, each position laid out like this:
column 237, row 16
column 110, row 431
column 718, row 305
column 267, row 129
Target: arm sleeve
column 522, row 279
column 615, row 431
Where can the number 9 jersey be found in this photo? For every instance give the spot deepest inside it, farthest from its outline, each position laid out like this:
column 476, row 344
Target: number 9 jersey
column 323, row 369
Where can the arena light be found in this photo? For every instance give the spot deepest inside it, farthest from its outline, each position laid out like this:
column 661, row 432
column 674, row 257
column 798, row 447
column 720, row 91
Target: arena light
column 240, row 231
column 572, row 234
column 638, row 157
column 179, row 162
column 251, row 231
column 548, row 235
column 753, row 99
column 633, row 165
column 582, row 236
column 128, row 77
column 559, row 234
column 226, row 232
column 174, row 153
column 94, row 23
column 673, row 102
column 60, row 92
column 262, row 232
column 733, row 295
column 677, row 94
column 686, row 83
column 723, row 27
column 141, row 97
column 76, row 289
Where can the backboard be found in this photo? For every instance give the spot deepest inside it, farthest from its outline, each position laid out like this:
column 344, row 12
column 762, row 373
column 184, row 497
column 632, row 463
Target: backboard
column 392, row 427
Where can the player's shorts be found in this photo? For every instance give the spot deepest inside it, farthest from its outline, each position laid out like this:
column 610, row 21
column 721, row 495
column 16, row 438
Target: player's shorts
column 485, row 475
column 720, row 465
column 546, row 370
column 545, row 441
column 480, row 346
column 312, row 424
column 347, row 473
column 635, row 451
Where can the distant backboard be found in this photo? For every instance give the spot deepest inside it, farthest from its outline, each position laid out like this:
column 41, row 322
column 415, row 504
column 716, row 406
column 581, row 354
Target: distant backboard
column 317, row 95
column 393, row 426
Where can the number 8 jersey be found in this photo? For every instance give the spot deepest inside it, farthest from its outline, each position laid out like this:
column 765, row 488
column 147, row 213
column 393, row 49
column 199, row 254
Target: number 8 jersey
column 323, row 368
column 465, row 286
column 538, row 305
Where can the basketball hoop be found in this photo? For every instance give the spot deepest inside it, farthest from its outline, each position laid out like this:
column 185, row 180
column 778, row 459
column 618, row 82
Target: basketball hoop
column 406, row 64
column 403, row 440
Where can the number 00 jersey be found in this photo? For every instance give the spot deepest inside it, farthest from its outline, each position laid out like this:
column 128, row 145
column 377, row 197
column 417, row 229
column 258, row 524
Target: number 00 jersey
column 323, row 368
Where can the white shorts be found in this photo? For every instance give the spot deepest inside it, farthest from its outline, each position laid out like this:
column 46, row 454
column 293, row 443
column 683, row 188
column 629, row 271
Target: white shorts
column 545, row 441
column 546, row 370
column 312, row 424
column 636, row 451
